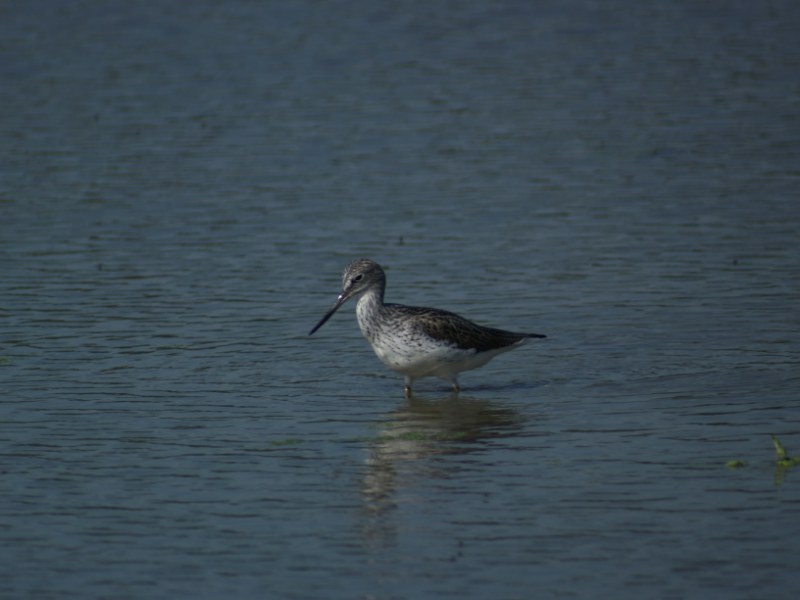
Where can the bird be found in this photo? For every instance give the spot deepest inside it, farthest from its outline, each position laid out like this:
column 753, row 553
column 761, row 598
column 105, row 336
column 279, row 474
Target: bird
column 416, row 341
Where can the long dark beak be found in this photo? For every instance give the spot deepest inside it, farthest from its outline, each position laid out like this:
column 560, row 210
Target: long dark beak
column 339, row 301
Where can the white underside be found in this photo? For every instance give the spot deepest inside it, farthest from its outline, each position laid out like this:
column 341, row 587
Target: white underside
column 426, row 358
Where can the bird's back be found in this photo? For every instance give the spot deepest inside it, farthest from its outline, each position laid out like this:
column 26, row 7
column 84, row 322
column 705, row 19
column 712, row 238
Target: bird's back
column 448, row 328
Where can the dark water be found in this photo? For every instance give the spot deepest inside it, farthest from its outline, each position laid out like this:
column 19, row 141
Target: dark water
column 182, row 184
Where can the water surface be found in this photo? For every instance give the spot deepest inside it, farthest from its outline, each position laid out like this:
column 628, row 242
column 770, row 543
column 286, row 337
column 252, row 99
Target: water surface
column 181, row 188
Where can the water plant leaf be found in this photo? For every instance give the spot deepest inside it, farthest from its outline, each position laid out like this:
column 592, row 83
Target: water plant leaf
column 782, row 458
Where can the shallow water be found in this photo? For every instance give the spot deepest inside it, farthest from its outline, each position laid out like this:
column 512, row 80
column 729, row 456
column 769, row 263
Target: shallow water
column 181, row 189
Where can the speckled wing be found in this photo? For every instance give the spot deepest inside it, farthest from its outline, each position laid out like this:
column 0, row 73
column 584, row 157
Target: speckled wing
column 458, row 331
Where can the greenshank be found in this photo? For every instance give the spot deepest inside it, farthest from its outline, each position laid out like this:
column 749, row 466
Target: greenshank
column 415, row 341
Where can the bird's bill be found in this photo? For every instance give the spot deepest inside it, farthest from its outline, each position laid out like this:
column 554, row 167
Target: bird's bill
column 339, row 301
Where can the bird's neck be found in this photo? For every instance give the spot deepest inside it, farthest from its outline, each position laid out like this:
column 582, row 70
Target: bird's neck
column 369, row 310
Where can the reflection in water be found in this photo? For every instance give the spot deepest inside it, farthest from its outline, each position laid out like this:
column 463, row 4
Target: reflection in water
column 422, row 429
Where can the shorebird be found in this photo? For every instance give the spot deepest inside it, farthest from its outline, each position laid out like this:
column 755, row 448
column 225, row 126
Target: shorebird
column 415, row 341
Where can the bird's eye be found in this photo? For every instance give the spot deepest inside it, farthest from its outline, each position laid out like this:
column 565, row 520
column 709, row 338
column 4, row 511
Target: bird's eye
column 358, row 277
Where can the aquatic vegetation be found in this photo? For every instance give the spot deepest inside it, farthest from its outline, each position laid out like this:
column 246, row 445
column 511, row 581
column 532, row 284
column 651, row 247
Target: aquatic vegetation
column 783, row 462
column 782, row 458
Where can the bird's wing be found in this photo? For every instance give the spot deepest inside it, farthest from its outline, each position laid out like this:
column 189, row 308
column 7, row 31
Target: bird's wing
column 460, row 332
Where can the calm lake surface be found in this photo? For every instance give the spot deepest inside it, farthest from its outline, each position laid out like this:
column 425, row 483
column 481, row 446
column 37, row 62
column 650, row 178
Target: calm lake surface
column 181, row 186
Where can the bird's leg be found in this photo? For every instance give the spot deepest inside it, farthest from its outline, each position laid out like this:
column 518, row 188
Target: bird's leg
column 408, row 391
column 456, row 387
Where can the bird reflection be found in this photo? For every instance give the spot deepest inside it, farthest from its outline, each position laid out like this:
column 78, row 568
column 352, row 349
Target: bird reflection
column 421, row 429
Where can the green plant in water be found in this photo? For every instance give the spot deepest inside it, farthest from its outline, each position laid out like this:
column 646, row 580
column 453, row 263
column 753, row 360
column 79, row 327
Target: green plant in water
column 783, row 461
column 782, row 458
